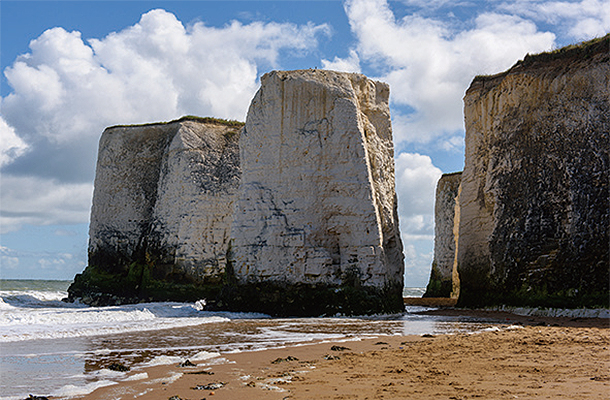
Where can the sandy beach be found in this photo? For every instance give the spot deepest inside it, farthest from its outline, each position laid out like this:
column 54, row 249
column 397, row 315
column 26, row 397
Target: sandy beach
column 526, row 357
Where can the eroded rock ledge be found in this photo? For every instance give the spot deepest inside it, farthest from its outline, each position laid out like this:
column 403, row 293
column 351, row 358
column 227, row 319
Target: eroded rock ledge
column 293, row 214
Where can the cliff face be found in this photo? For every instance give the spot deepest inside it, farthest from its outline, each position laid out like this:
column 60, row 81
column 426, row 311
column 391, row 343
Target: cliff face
column 298, row 218
column 317, row 201
column 534, row 202
column 198, row 183
column 162, row 207
column 165, row 193
column 442, row 273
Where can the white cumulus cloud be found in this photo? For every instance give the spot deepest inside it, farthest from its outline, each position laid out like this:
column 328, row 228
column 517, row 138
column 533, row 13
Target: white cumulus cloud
column 67, row 89
column 418, row 258
column 429, row 66
column 155, row 70
column 9, row 259
column 58, row 262
column 39, row 201
column 416, row 179
column 349, row 64
column 9, row 262
column 11, row 145
column 580, row 20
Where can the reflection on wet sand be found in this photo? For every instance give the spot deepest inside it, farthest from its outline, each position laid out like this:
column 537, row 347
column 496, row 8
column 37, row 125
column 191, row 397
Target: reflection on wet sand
column 137, row 348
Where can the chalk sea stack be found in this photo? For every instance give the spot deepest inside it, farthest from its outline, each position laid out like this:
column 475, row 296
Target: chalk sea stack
column 317, row 204
column 292, row 214
column 443, row 276
column 162, row 210
column 533, row 209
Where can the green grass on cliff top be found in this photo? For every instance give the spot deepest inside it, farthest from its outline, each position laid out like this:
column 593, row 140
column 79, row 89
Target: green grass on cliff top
column 204, row 120
column 581, row 50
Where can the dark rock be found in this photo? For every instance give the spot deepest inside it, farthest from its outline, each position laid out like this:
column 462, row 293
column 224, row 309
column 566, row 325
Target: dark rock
column 209, row 386
column 118, row 367
column 186, row 363
column 287, row 359
column 200, row 373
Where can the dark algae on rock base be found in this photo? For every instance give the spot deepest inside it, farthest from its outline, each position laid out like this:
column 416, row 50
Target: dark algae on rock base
column 534, row 200
column 136, row 283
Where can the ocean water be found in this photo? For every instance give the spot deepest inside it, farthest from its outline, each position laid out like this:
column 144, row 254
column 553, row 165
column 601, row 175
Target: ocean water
column 49, row 347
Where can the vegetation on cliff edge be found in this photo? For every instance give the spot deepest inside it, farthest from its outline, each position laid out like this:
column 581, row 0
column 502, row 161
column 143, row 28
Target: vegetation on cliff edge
column 580, row 50
column 203, row 120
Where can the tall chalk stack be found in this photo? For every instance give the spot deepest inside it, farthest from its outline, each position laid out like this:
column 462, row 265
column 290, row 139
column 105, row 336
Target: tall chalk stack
column 317, row 200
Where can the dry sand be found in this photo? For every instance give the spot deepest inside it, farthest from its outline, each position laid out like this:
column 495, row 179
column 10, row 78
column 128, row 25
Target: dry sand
column 527, row 358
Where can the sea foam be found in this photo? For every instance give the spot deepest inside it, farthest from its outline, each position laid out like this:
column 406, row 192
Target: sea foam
column 27, row 315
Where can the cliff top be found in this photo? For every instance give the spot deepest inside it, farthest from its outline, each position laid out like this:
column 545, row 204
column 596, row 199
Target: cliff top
column 320, row 73
column 323, row 76
column 581, row 51
column 193, row 118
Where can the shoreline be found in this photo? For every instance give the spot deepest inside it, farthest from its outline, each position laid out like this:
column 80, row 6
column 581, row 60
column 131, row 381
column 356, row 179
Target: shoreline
column 522, row 357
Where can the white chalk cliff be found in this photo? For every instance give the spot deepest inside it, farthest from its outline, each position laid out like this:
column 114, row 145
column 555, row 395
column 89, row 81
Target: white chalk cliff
column 533, row 209
column 165, row 192
column 317, row 198
column 298, row 206
column 442, row 273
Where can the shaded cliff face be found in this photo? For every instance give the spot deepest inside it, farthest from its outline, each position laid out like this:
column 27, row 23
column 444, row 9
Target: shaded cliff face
column 441, row 274
column 534, row 203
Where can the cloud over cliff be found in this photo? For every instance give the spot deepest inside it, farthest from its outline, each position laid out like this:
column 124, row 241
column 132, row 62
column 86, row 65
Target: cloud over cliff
column 429, row 62
column 580, row 20
column 417, row 176
column 66, row 90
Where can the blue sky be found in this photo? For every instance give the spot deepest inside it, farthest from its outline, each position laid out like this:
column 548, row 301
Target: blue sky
column 71, row 68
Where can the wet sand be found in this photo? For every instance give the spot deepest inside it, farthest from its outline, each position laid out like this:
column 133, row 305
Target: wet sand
column 430, row 301
column 527, row 357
